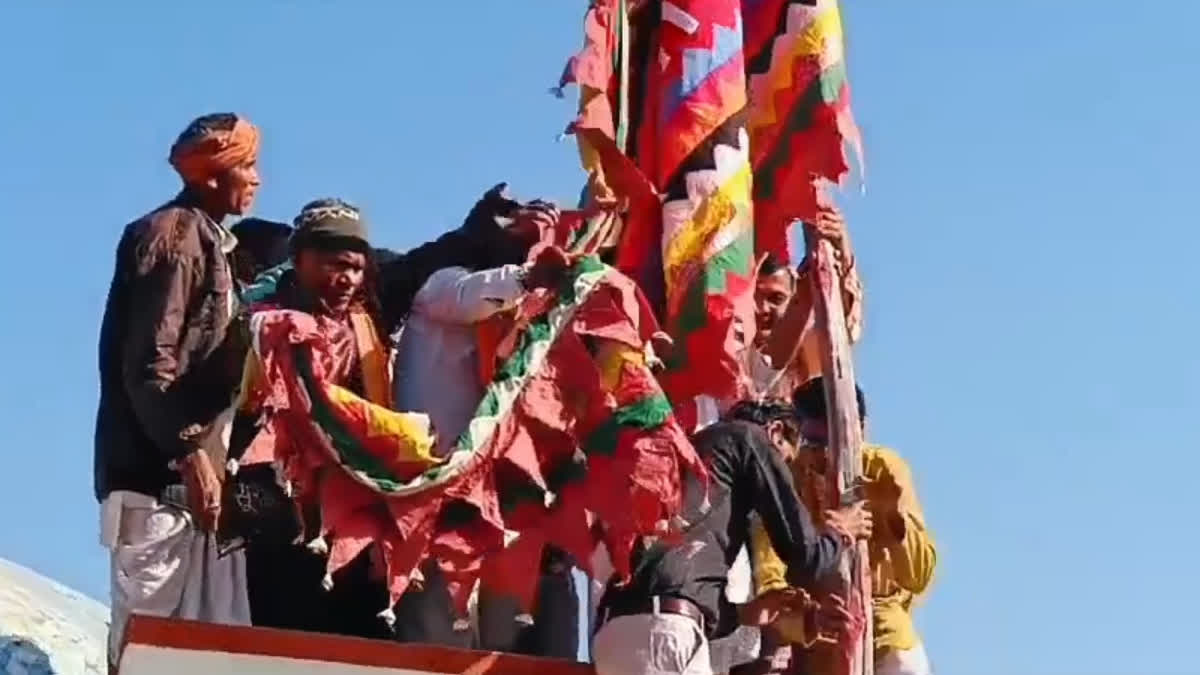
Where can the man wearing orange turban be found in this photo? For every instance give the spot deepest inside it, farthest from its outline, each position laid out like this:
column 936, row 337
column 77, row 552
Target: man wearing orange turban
column 217, row 157
column 169, row 366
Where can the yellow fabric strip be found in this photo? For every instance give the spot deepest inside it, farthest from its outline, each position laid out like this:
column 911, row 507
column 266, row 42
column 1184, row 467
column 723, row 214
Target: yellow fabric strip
column 373, row 360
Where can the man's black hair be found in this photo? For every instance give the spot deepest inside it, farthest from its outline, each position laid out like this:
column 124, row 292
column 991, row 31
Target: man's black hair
column 764, row 412
column 266, row 241
column 493, row 246
column 770, row 265
column 809, row 400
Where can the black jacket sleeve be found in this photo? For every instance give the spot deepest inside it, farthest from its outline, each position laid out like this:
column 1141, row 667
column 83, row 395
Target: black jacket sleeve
column 810, row 554
column 401, row 275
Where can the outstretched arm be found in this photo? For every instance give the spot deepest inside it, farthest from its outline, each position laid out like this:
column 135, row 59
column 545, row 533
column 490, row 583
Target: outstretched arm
column 810, row 553
column 456, row 295
column 402, row 275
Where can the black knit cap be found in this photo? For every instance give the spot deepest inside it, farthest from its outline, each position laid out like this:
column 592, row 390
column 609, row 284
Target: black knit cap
column 330, row 224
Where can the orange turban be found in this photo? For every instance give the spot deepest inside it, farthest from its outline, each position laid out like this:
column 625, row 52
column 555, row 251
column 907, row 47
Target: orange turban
column 213, row 143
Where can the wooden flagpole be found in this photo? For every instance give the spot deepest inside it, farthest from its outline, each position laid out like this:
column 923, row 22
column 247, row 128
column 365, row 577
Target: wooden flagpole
column 845, row 443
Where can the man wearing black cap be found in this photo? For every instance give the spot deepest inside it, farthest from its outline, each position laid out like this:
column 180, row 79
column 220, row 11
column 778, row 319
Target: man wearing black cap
column 356, row 294
column 332, row 279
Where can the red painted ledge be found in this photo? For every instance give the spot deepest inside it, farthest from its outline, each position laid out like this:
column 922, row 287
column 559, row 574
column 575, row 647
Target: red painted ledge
column 206, row 637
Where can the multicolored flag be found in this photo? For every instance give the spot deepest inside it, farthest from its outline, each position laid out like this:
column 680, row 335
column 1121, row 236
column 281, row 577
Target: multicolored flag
column 684, row 169
column 716, row 121
column 800, row 120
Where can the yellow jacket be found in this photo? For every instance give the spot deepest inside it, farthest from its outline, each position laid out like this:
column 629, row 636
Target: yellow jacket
column 901, row 567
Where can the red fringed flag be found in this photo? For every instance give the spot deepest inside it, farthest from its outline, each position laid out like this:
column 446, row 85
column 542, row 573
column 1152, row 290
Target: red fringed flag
column 688, row 237
column 573, row 422
column 800, row 119
column 601, row 70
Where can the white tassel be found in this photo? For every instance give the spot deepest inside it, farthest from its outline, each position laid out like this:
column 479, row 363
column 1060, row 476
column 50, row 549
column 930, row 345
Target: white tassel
column 319, row 546
column 327, row 582
column 388, row 616
column 654, row 363
column 461, row 625
column 231, row 467
column 678, row 523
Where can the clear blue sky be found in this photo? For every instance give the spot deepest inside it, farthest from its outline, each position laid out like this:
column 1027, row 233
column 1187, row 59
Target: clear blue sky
column 1024, row 239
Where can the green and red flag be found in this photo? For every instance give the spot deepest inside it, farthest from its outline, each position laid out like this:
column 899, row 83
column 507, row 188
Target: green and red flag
column 572, row 427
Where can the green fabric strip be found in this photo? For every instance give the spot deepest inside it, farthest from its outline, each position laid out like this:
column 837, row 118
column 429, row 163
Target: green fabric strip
column 533, row 346
column 350, row 453
column 648, row 413
column 822, row 91
column 736, row 258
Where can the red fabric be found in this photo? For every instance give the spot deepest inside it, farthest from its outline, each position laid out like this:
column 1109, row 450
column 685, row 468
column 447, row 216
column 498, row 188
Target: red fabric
column 634, row 491
column 816, row 154
column 591, row 68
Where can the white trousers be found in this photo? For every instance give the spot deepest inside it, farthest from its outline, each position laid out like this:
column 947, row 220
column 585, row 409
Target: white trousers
column 163, row 566
column 744, row 643
column 904, row 662
column 651, row 644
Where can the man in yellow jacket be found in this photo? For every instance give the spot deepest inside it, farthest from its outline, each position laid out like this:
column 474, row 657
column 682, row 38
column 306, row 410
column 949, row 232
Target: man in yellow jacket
column 902, row 552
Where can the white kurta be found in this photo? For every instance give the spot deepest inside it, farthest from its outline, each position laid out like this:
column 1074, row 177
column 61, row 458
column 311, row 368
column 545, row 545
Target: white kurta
column 437, row 358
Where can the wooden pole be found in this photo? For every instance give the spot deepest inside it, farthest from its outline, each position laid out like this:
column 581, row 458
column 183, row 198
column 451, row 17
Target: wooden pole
column 845, row 444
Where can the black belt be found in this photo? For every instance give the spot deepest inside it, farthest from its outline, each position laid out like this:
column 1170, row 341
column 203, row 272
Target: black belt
column 658, row 604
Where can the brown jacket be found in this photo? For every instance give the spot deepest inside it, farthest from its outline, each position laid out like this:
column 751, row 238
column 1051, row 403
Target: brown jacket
column 169, row 360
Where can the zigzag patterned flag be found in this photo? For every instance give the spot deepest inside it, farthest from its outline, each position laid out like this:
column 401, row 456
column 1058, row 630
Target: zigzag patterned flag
column 698, row 157
column 688, row 237
column 573, row 422
column 658, row 74
column 800, row 119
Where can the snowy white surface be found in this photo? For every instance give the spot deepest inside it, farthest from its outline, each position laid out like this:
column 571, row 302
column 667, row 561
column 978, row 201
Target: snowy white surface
column 46, row 628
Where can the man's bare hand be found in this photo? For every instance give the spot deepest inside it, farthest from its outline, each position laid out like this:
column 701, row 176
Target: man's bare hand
column 855, row 520
column 832, row 619
column 883, row 493
column 537, row 215
column 203, row 489
column 831, row 226
column 767, row 607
